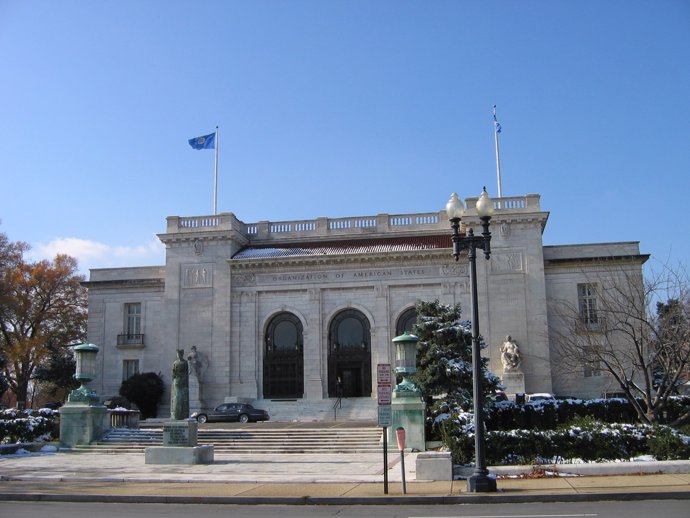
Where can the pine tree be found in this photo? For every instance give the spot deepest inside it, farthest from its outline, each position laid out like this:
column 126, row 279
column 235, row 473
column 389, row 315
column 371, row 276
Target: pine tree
column 444, row 358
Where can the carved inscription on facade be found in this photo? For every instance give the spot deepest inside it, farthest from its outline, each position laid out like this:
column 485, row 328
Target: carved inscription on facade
column 347, row 275
column 454, row 270
column 197, row 276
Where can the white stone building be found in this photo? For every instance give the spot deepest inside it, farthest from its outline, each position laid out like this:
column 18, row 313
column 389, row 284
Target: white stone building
column 278, row 311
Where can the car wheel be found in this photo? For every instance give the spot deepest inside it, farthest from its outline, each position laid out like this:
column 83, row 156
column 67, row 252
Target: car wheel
column 202, row 418
column 244, row 418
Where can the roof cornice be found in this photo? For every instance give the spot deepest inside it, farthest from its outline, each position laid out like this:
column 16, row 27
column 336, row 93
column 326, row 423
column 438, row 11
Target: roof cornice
column 125, row 283
column 329, row 261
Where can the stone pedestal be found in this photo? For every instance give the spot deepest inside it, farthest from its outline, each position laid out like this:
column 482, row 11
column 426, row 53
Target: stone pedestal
column 514, row 382
column 180, row 445
column 82, row 424
column 409, row 413
column 434, row 466
column 194, row 394
column 180, row 433
column 179, row 455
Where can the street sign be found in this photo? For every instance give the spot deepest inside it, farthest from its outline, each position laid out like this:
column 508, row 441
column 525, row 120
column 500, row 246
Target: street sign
column 384, row 393
column 383, row 374
column 385, row 416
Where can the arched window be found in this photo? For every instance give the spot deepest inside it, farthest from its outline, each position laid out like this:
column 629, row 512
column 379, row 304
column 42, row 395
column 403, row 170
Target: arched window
column 283, row 357
column 284, row 333
column 350, row 333
column 406, row 321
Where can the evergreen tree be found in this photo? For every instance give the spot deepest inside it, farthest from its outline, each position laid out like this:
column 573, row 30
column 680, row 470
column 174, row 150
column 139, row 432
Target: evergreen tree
column 144, row 390
column 444, row 358
column 57, row 371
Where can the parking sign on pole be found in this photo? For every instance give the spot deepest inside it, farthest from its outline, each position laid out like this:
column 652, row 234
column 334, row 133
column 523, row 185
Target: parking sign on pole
column 384, row 393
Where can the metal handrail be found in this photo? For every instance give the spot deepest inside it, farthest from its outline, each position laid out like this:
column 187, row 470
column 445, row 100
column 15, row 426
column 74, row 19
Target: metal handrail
column 338, row 404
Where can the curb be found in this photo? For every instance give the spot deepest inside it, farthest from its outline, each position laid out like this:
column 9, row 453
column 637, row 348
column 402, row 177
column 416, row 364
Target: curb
column 341, row 500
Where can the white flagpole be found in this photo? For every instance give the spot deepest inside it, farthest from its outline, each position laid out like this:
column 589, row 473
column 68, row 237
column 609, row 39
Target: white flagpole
column 215, row 176
column 498, row 156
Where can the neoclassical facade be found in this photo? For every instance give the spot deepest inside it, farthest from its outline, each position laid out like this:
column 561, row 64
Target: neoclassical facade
column 304, row 310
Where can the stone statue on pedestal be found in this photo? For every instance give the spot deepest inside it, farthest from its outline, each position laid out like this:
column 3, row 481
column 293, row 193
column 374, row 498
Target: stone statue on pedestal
column 510, row 355
column 179, row 403
column 197, row 364
column 194, row 363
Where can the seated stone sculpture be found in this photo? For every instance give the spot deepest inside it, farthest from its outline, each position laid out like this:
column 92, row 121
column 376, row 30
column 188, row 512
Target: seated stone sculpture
column 510, row 355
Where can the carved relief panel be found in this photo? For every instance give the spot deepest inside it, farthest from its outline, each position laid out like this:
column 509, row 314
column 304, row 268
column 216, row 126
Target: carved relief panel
column 506, row 262
column 197, row 276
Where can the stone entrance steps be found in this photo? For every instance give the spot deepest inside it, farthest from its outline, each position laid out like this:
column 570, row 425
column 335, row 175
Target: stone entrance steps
column 255, row 440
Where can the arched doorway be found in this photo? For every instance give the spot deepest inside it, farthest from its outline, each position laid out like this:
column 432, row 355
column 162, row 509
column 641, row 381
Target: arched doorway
column 349, row 354
column 284, row 357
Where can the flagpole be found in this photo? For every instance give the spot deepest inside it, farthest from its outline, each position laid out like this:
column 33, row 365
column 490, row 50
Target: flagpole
column 498, row 156
column 215, row 176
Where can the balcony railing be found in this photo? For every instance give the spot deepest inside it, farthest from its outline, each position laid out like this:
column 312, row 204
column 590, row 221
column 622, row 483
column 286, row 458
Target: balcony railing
column 591, row 325
column 129, row 339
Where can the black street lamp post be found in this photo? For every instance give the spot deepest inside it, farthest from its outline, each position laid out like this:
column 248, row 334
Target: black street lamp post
column 479, row 481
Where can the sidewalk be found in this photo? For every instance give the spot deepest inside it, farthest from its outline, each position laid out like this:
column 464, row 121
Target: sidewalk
column 297, row 479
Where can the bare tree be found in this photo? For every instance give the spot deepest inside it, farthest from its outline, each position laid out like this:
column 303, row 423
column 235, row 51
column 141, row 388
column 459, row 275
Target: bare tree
column 633, row 329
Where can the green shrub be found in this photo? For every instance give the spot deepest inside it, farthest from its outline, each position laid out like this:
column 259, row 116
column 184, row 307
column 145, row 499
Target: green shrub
column 668, row 444
column 520, row 447
column 549, row 414
column 586, row 440
column 27, row 426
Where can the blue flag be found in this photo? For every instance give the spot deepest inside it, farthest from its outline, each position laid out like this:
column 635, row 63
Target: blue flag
column 205, row 142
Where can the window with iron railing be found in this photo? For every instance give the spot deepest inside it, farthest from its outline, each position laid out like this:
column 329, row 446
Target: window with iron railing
column 132, row 325
column 133, row 318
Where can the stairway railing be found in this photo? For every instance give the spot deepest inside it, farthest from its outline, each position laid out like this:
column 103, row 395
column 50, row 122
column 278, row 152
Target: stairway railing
column 338, row 404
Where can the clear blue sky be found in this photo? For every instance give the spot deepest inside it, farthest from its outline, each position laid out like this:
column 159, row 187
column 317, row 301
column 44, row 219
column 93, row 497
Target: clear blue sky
column 340, row 108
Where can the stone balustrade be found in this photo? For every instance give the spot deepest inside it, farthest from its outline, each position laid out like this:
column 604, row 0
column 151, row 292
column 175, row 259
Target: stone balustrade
column 270, row 231
column 122, row 418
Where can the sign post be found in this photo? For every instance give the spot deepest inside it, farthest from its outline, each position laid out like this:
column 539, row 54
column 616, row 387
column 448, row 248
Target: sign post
column 400, row 436
column 384, row 392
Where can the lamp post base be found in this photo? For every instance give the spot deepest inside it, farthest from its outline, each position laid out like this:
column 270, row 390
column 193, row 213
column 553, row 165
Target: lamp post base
column 481, row 484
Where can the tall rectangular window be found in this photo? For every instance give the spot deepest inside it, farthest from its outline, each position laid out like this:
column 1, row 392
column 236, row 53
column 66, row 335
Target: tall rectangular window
column 129, row 368
column 587, row 300
column 133, row 318
column 592, row 366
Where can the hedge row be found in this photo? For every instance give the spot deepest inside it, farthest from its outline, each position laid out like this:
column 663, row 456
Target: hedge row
column 27, row 426
column 587, row 441
column 549, row 414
